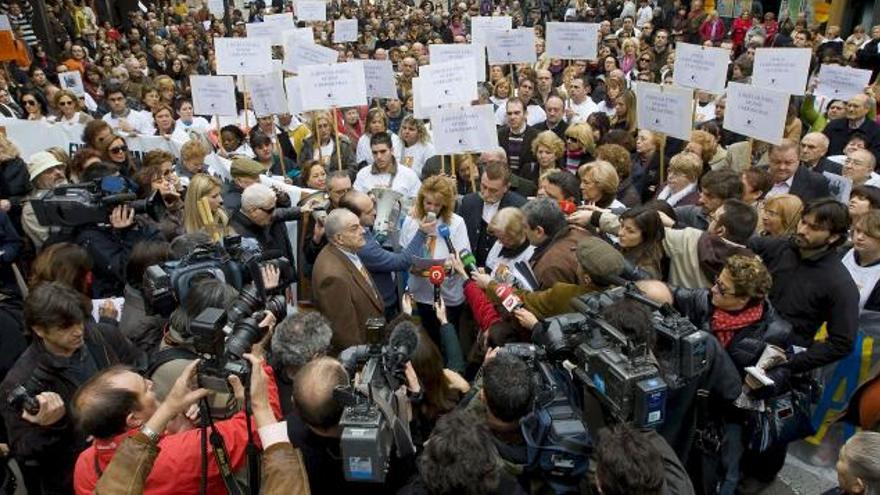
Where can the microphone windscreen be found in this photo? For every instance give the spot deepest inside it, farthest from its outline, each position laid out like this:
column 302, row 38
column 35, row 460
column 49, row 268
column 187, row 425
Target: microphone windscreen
column 404, row 338
column 443, row 230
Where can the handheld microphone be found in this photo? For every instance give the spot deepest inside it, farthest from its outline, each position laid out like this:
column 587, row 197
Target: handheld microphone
column 468, row 260
column 509, row 300
column 436, row 276
column 443, row 231
column 567, row 207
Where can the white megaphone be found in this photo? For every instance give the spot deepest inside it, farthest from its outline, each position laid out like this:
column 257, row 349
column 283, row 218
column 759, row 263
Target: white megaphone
column 389, row 204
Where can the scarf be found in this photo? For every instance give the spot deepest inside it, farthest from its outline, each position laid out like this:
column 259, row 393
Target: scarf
column 726, row 324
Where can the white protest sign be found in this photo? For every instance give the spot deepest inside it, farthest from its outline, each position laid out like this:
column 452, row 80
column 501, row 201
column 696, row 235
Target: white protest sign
column 420, row 110
column 841, row 83
column 298, row 55
column 243, row 56
column 782, row 69
column 379, row 78
column 32, row 136
column 310, row 10
column 215, row 7
column 213, row 95
column 265, row 30
column 5, row 25
column 699, row 67
column 281, row 21
column 665, row 109
column 482, row 27
column 345, row 30
column 445, row 53
column 467, row 129
column 72, row 81
column 303, row 35
column 448, row 83
column 572, row 40
column 294, row 98
column 512, row 46
column 335, row 85
column 756, row 112
column 267, row 94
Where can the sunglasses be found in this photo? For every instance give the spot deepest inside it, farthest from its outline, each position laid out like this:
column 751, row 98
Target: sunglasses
column 644, row 60
column 268, row 210
column 118, row 149
column 571, row 139
column 65, row 103
column 29, row 102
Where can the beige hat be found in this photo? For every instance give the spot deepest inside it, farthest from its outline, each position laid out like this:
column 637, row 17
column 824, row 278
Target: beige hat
column 243, row 166
column 40, row 162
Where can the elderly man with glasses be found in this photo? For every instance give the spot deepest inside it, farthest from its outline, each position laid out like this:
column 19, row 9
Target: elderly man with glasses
column 261, row 218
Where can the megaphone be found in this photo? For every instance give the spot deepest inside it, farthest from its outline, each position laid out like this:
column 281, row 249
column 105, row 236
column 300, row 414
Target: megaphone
column 389, row 204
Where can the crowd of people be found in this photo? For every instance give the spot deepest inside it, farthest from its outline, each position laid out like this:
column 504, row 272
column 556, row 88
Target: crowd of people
column 771, row 251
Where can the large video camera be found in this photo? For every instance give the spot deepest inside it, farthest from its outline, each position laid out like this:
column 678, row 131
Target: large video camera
column 370, row 424
column 73, row 205
column 236, row 262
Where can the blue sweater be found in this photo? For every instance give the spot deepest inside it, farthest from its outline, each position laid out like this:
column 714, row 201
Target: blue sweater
column 382, row 263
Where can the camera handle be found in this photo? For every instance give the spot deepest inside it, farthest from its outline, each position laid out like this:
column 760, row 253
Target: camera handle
column 221, row 455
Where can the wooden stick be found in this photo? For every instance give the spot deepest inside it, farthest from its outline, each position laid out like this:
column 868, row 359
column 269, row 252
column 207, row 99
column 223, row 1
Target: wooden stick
column 443, row 164
column 662, row 159
column 244, row 100
column 452, row 159
column 280, row 157
column 336, row 135
column 318, row 138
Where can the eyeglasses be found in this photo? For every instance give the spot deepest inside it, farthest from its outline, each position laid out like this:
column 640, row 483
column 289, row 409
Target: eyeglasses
column 721, row 289
column 118, row 149
column 571, row 139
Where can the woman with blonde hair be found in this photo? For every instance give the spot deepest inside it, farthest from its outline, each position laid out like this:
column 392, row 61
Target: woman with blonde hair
column 14, row 180
column 511, row 244
column 548, row 150
column 599, row 183
column 630, row 54
column 377, row 121
column 435, row 206
column 781, row 214
column 417, row 142
column 500, row 93
column 321, row 145
column 614, row 87
column 166, row 88
column 625, row 112
column 681, row 186
column 203, row 207
column 579, row 146
column 69, row 109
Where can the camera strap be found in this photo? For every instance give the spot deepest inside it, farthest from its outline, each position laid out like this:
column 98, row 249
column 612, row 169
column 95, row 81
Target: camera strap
column 221, row 455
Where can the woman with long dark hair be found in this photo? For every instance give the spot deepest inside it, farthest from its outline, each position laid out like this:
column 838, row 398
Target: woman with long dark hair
column 641, row 239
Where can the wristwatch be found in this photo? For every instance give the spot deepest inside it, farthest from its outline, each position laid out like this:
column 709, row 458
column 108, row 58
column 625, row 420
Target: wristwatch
column 150, row 434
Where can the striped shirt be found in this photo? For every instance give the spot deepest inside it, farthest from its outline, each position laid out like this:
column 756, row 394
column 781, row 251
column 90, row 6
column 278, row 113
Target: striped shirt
column 22, row 21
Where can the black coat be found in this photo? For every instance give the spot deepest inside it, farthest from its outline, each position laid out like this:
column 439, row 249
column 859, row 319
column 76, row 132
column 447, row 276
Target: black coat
column 110, row 248
column 526, row 155
column 838, row 133
column 14, row 186
column 559, row 129
column 826, row 165
column 271, row 238
column 471, row 211
column 809, row 185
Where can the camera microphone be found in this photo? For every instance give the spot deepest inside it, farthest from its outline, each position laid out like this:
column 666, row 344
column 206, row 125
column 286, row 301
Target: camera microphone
column 443, row 231
column 509, row 300
column 403, row 341
column 436, row 276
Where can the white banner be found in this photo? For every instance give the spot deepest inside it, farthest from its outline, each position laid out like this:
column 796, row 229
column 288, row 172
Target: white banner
column 665, row 109
column 72, row 81
column 699, row 67
column 756, row 112
column 271, row 32
column 482, row 27
column 841, row 83
column 782, row 69
column 215, row 7
column 213, row 95
column 448, row 83
column 439, row 54
column 379, row 78
column 336, row 85
column 310, row 10
column 267, row 94
column 243, row 56
column 513, row 46
column 572, row 40
column 298, row 55
column 469, row 129
column 345, row 30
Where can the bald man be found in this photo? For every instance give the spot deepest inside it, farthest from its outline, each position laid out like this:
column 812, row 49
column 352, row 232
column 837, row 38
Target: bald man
column 839, row 131
column 814, row 147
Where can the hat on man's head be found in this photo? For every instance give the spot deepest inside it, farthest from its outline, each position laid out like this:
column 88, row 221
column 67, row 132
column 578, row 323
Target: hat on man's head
column 243, row 166
column 40, row 162
column 599, row 259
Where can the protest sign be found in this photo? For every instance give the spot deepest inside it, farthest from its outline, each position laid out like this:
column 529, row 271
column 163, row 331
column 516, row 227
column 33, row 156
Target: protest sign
column 271, row 32
column 267, row 94
column 5, row 25
column 72, row 81
column 213, row 95
column 665, row 109
column 294, row 98
column 379, row 78
column 512, row 46
column 448, row 83
column 345, row 30
column 281, row 22
column 420, row 110
column 782, row 69
column 468, row 129
column 572, row 40
column 215, row 7
column 302, row 35
column 756, row 112
column 483, row 26
column 334, row 85
column 699, row 67
column 310, row 10
column 837, row 82
column 445, row 53
column 298, row 55
column 243, row 56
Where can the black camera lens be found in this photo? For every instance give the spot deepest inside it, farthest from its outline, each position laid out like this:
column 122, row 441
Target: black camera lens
column 277, row 305
column 244, row 305
column 245, row 334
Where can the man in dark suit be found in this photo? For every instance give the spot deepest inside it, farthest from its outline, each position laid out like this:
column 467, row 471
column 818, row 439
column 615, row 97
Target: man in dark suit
column 341, row 285
column 814, row 146
column 516, row 137
column 477, row 209
column 791, row 178
column 839, row 130
column 555, row 109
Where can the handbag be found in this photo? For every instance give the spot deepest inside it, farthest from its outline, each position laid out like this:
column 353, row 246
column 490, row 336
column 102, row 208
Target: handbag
column 786, row 418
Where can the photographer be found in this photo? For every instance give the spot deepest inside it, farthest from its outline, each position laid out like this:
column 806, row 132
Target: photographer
column 65, row 352
column 262, row 216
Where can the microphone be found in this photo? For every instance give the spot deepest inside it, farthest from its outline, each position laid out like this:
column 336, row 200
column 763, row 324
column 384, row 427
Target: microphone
column 567, row 207
column 468, row 260
column 403, row 340
column 443, row 231
column 436, row 276
column 509, row 300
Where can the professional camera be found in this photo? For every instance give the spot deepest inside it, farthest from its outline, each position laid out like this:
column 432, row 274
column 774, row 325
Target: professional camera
column 21, row 399
column 370, row 425
column 72, row 205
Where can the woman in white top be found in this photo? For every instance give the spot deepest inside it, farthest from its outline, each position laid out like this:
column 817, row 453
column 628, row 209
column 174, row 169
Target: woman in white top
column 863, row 260
column 436, row 196
column 186, row 121
column 512, row 246
column 69, row 109
column 418, row 144
column 377, row 122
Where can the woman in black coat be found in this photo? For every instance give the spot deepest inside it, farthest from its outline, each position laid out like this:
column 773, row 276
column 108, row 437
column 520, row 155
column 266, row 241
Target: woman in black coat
column 14, row 181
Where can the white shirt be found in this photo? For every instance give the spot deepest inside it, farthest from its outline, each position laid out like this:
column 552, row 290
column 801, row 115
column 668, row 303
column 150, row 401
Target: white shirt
column 605, row 108
column 644, row 16
column 452, row 289
column 582, row 110
column 706, row 112
column 365, row 153
column 534, row 115
column 405, row 181
column 200, row 124
column 415, row 156
column 672, row 198
column 489, row 211
column 142, row 124
column 780, row 188
column 494, row 260
column 865, row 277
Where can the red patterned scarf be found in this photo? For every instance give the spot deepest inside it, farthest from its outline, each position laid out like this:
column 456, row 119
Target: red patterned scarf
column 725, row 324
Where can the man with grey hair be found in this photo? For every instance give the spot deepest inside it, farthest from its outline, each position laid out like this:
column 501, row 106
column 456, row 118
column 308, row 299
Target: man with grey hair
column 262, row 216
column 298, row 339
column 840, row 130
column 341, row 285
column 814, row 146
column 555, row 243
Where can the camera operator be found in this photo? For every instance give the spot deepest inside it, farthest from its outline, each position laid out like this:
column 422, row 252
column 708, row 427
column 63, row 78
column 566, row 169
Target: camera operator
column 262, row 216
column 143, row 328
column 298, row 339
column 110, row 245
column 338, row 183
column 632, row 461
column 119, row 403
column 314, row 428
column 67, row 349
